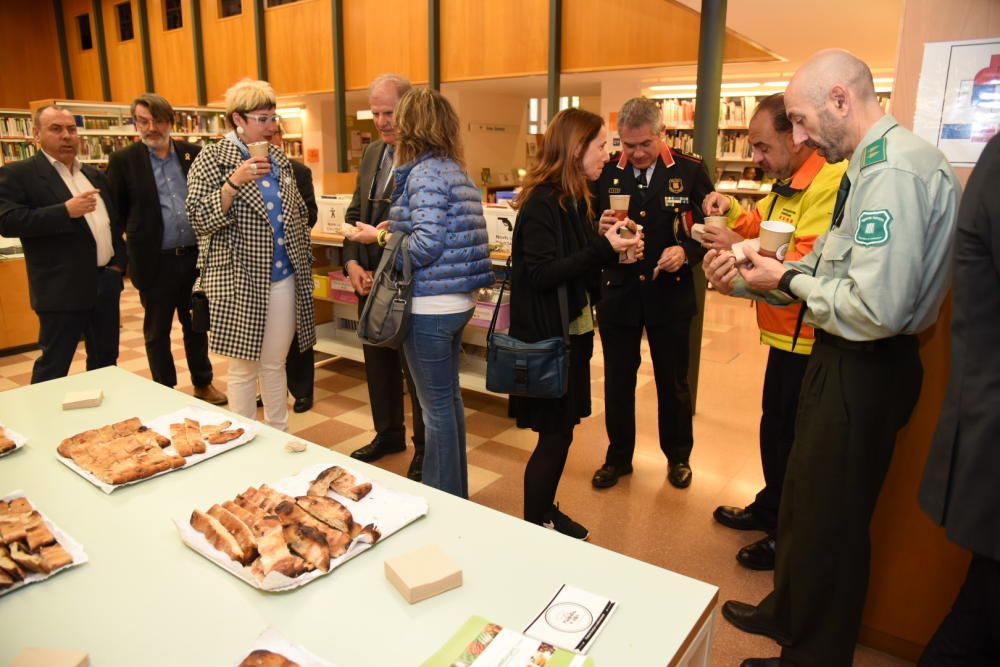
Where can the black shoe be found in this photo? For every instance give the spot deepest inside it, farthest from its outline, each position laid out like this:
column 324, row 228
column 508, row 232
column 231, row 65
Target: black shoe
column 607, row 475
column 759, row 555
column 739, row 518
column 375, row 450
column 416, row 471
column 561, row 523
column 745, row 617
column 303, row 404
column 260, row 401
column 761, row 662
column 679, row 474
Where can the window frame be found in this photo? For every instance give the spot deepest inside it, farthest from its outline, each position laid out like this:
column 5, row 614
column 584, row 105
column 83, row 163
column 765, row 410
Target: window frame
column 131, row 21
column 80, row 34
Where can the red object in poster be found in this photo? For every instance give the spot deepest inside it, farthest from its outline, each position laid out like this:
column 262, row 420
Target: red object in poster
column 986, row 98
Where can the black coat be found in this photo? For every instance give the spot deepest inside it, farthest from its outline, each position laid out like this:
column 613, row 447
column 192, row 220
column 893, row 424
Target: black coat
column 538, row 269
column 961, row 485
column 671, row 202
column 60, row 251
column 304, row 182
column 361, row 208
column 133, row 188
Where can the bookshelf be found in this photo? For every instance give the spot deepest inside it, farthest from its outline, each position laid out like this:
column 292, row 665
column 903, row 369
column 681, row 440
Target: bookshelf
column 106, row 127
column 16, row 141
column 733, row 152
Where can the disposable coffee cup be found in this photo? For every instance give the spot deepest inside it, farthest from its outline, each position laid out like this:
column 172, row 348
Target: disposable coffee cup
column 619, row 204
column 258, row 149
column 774, row 238
column 719, row 221
column 628, row 256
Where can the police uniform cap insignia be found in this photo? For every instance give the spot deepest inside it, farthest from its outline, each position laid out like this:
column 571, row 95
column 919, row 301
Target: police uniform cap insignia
column 874, row 153
column 676, row 185
column 873, row 228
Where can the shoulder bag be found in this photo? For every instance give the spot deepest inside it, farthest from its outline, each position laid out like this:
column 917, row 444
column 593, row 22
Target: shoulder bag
column 385, row 319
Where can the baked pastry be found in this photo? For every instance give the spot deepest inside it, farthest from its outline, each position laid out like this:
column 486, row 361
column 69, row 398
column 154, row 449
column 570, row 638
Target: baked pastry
column 55, row 556
column 217, row 535
column 39, row 535
column 309, row 543
column 219, row 434
column 274, row 553
column 341, row 481
column 102, row 434
column 262, row 658
column 238, row 529
column 327, row 510
column 29, row 561
column 289, row 513
column 8, row 565
column 186, row 438
column 6, row 444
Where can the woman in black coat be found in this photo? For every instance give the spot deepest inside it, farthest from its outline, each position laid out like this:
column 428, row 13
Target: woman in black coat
column 555, row 244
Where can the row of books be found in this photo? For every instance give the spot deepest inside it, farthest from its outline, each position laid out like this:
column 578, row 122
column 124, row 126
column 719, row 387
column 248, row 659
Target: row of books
column 293, row 148
column 99, row 148
column 15, row 126
column 193, row 122
column 734, row 146
column 682, row 141
column 13, row 152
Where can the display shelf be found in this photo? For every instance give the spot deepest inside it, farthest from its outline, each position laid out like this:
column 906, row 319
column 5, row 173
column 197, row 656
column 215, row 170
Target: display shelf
column 15, row 135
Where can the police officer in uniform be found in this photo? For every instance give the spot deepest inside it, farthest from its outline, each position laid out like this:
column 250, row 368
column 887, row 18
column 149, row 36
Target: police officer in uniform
column 666, row 188
column 871, row 283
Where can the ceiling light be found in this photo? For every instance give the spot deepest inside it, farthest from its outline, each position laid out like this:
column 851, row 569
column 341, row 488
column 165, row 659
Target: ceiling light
column 884, row 79
column 289, row 112
column 742, row 84
column 776, row 84
column 365, row 114
column 682, row 86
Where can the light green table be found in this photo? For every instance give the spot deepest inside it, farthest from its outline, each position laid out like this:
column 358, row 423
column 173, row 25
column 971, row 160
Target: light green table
column 146, row 599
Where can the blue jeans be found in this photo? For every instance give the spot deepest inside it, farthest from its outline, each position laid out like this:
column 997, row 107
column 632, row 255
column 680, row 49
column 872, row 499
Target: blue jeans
column 432, row 349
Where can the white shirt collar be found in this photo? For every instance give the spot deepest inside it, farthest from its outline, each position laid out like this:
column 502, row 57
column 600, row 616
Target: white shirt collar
column 54, row 162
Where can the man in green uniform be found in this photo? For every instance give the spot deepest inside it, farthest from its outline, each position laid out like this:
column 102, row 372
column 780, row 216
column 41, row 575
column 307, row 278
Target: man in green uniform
column 872, row 282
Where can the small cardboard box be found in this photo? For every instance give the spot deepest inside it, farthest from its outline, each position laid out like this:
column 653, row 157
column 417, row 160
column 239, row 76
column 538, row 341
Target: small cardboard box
column 338, row 281
column 423, row 573
column 343, row 296
column 89, row 398
column 321, row 281
column 483, row 314
column 500, row 220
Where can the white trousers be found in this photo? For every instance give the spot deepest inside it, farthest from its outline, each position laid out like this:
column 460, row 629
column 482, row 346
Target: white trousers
column 279, row 329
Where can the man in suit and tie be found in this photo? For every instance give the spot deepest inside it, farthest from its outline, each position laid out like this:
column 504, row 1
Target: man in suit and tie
column 149, row 187
column 63, row 214
column 385, row 366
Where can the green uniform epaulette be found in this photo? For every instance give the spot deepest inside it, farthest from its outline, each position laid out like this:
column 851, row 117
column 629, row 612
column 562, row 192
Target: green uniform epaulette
column 874, row 153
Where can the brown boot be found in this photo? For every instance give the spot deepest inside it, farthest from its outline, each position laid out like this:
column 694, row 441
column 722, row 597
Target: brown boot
column 210, row 394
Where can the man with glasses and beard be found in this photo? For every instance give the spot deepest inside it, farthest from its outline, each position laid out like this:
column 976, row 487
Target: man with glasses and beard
column 149, row 187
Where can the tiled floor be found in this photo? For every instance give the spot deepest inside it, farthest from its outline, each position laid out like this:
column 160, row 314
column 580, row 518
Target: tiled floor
column 642, row 517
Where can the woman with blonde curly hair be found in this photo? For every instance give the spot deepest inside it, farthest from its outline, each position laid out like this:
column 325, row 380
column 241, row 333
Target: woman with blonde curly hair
column 437, row 205
column 254, row 252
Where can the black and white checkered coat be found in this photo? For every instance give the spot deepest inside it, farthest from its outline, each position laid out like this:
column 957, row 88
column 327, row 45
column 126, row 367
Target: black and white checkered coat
column 235, row 251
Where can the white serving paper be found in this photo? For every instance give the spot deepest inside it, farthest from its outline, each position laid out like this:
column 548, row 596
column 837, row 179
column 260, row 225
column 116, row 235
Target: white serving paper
column 389, row 510
column 270, row 640
column 162, row 426
column 737, row 249
column 572, row 619
column 19, row 440
column 74, row 548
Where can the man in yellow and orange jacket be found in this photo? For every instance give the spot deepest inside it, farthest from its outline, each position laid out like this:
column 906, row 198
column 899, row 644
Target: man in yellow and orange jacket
column 803, row 196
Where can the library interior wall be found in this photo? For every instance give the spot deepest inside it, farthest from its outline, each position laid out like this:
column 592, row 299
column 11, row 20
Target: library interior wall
column 83, row 64
column 493, row 38
column 125, row 69
column 385, row 36
column 229, row 47
column 299, row 46
column 29, row 58
column 916, row 572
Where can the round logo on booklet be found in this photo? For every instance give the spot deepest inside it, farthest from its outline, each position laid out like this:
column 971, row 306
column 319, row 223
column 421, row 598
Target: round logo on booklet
column 569, row 617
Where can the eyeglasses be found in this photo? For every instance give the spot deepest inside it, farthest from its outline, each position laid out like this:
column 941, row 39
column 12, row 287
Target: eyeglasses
column 146, row 122
column 264, row 119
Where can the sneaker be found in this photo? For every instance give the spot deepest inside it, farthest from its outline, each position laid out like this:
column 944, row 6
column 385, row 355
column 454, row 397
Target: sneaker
column 561, row 523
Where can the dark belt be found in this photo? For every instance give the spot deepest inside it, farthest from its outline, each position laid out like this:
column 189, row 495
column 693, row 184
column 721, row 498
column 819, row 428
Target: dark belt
column 180, row 250
column 880, row 345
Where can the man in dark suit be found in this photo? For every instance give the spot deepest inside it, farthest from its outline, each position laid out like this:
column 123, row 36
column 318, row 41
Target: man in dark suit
column 300, row 368
column 149, row 186
column 655, row 294
column 961, row 486
column 385, row 366
column 63, row 213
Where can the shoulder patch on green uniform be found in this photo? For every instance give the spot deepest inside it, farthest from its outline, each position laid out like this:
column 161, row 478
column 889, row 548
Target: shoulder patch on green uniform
column 873, row 228
column 874, row 153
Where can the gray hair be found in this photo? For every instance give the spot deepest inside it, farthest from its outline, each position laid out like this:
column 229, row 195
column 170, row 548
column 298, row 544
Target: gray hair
column 398, row 81
column 37, row 116
column 640, row 111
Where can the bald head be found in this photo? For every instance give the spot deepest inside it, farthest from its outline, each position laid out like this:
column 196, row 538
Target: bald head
column 830, row 68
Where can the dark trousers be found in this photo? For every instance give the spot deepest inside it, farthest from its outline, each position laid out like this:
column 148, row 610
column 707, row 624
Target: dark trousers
column 668, row 347
column 779, row 403
column 169, row 294
column 300, row 370
column 386, row 368
column 855, row 398
column 970, row 633
column 60, row 331
column 542, row 474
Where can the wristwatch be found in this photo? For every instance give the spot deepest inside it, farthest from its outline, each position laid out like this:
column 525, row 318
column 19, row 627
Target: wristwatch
column 785, row 284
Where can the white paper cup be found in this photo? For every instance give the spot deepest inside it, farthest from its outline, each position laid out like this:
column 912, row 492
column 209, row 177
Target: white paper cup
column 719, row 221
column 619, row 204
column 628, row 257
column 258, row 149
column 775, row 236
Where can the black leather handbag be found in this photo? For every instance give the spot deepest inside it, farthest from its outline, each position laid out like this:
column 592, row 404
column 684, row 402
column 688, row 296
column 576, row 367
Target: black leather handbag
column 385, row 319
column 201, row 321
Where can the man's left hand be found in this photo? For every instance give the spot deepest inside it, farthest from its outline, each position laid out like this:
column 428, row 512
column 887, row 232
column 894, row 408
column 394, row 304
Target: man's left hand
column 764, row 273
column 671, row 260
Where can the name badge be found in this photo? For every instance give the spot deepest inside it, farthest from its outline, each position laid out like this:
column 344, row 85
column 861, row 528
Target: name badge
column 676, row 201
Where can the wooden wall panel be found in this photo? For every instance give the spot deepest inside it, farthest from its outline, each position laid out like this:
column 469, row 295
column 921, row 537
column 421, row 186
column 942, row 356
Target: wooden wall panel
column 916, row 572
column 374, row 45
column 622, row 34
column 496, row 38
column 29, row 58
column 124, row 58
column 172, row 53
column 300, row 46
column 84, row 65
column 229, row 47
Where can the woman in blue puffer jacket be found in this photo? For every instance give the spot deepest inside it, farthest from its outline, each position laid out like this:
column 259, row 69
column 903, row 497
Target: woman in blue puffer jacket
column 436, row 203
